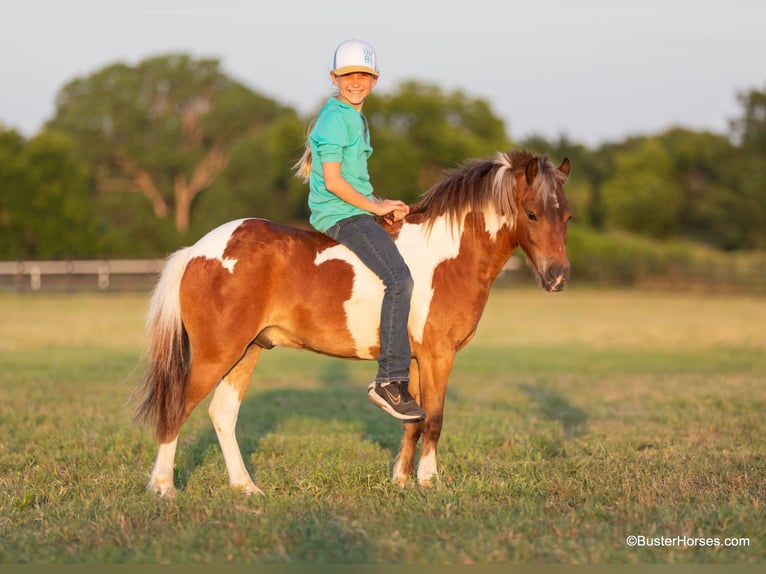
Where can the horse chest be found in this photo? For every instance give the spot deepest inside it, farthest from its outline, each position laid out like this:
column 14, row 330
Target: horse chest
column 423, row 254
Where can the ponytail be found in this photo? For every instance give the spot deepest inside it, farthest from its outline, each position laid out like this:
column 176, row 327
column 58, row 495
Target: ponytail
column 302, row 168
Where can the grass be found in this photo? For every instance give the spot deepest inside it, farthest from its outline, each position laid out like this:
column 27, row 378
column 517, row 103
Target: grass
column 572, row 421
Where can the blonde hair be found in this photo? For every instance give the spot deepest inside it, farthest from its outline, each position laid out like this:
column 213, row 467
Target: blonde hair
column 302, row 167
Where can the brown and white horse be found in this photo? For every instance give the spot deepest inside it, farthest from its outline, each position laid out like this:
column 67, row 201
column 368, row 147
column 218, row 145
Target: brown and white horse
column 252, row 284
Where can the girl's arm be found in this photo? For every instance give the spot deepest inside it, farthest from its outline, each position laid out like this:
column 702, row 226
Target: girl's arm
column 337, row 184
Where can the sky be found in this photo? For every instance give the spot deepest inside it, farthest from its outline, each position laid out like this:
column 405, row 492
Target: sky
column 591, row 70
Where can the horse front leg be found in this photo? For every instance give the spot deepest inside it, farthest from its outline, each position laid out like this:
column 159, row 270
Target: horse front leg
column 224, row 411
column 404, row 466
column 434, row 374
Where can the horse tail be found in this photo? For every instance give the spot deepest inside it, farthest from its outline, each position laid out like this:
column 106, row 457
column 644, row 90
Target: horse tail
column 164, row 383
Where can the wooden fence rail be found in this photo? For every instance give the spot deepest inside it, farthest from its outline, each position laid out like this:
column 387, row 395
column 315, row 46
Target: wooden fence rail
column 93, row 274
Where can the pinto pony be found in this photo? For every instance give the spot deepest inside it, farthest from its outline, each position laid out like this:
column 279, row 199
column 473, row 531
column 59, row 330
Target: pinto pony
column 252, row 284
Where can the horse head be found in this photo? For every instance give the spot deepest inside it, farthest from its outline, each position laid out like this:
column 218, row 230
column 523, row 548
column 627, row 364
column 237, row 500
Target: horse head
column 541, row 216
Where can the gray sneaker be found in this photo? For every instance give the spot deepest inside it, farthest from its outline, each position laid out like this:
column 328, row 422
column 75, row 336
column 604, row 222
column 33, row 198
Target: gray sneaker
column 396, row 400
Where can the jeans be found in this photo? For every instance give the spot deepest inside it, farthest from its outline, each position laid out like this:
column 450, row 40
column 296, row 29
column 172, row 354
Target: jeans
column 370, row 242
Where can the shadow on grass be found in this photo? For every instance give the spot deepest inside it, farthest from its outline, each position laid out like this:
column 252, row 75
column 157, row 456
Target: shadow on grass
column 342, row 398
column 339, row 398
column 553, row 406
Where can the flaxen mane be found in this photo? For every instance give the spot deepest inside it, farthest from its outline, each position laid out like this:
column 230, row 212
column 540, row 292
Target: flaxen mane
column 477, row 184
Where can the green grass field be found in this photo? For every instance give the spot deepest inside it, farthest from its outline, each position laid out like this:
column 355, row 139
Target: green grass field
column 573, row 421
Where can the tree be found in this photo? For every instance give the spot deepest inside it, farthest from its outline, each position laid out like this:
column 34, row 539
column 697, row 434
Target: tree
column 749, row 132
column 258, row 181
column 46, row 209
column 701, row 167
column 641, row 194
column 164, row 128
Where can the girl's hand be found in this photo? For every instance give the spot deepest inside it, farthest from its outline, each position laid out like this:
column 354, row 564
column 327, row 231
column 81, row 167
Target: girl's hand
column 392, row 210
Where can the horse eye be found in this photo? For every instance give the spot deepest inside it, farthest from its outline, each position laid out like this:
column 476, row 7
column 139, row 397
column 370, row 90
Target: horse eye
column 531, row 216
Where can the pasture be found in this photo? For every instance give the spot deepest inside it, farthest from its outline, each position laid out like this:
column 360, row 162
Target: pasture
column 573, row 421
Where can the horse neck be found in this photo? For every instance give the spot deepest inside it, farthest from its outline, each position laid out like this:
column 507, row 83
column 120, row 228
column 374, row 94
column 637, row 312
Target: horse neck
column 474, row 250
column 491, row 243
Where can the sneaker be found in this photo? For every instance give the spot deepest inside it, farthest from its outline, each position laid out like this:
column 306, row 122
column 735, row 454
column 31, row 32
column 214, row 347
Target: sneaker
column 395, row 399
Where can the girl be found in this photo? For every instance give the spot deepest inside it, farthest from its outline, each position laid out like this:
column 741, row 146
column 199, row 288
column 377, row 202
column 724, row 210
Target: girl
column 343, row 207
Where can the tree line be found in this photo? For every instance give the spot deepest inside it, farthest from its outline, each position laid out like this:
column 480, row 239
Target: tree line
column 139, row 160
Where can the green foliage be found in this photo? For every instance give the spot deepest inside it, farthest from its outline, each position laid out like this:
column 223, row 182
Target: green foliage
column 641, row 196
column 621, row 258
column 257, row 181
column 46, row 209
column 750, row 129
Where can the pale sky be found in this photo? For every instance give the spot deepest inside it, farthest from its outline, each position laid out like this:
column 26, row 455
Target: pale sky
column 594, row 70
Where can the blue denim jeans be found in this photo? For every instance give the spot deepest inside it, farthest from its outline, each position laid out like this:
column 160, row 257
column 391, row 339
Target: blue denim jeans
column 370, row 242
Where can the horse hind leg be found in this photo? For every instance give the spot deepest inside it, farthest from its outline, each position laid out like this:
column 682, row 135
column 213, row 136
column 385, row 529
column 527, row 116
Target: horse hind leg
column 203, row 376
column 224, row 411
column 161, row 480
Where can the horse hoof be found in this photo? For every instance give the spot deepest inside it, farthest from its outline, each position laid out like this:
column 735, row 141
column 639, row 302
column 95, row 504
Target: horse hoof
column 163, row 488
column 401, row 480
column 167, row 493
column 249, row 488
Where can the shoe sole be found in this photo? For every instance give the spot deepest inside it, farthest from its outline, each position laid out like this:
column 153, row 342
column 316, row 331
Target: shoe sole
column 378, row 401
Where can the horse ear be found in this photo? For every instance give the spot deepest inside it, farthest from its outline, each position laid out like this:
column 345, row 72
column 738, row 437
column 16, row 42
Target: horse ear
column 531, row 171
column 565, row 166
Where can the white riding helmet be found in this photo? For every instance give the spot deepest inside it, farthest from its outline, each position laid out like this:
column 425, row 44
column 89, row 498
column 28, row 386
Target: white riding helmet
column 354, row 56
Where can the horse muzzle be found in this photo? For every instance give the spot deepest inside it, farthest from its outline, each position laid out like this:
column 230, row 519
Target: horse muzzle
column 554, row 276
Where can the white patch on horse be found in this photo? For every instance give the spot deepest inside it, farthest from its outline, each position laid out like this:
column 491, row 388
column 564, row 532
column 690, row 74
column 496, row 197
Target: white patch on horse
column 224, row 410
column 213, row 244
column 427, row 469
column 363, row 307
column 161, row 480
column 555, row 198
column 493, row 222
column 423, row 252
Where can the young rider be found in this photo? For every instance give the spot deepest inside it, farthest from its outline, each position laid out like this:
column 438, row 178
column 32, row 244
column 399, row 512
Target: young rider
column 343, row 206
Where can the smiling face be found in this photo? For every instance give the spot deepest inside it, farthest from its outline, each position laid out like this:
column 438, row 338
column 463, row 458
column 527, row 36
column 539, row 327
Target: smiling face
column 354, row 88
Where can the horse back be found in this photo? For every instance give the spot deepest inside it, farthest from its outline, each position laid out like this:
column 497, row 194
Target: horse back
column 279, row 285
column 255, row 280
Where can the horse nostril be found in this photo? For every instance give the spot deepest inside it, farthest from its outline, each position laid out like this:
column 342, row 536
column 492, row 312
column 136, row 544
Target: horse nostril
column 555, row 281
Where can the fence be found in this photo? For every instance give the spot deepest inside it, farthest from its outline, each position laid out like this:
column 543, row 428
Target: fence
column 118, row 274
column 80, row 275
column 744, row 274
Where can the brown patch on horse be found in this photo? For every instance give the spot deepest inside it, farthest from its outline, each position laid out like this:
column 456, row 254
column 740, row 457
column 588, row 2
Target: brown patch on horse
column 454, row 318
column 276, row 295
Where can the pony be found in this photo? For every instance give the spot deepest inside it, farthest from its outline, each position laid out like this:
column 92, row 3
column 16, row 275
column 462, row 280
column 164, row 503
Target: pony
column 253, row 284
